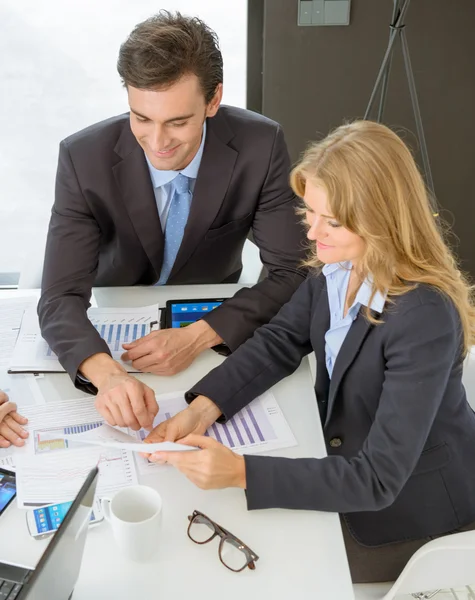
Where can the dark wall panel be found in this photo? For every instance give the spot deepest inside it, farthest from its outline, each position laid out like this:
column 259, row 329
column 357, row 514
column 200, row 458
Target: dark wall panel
column 315, row 77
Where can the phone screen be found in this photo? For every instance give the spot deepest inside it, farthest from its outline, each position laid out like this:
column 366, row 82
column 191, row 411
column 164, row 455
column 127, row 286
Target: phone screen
column 7, row 490
column 49, row 518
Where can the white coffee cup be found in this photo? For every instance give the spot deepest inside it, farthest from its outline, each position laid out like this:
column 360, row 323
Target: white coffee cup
column 134, row 514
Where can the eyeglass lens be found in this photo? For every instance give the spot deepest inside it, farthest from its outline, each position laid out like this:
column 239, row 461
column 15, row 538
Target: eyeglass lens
column 232, row 554
column 201, row 529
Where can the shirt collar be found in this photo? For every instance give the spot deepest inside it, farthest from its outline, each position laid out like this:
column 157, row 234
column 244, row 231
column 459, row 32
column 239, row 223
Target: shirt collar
column 364, row 293
column 160, row 178
column 330, row 268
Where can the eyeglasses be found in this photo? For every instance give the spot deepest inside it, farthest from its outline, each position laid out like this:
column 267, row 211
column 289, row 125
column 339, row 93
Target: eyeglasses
column 233, row 553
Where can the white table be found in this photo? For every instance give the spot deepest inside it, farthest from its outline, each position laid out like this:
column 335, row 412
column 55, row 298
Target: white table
column 301, row 553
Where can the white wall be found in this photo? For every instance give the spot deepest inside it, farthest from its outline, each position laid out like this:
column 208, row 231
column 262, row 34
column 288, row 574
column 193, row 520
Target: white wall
column 58, row 75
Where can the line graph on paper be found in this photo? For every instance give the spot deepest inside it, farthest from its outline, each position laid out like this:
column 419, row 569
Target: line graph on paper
column 57, row 476
column 114, row 464
column 109, row 463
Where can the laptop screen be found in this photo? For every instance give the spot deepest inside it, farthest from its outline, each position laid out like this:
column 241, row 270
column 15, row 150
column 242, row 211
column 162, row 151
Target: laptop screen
column 57, row 572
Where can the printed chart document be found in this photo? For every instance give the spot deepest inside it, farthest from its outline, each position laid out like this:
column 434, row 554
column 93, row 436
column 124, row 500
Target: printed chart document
column 11, row 315
column 115, row 325
column 52, row 469
column 24, row 391
column 259, row 427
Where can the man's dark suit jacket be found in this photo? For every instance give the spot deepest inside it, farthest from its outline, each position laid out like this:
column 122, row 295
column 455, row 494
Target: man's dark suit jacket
column 399, row 432
column 105, row 229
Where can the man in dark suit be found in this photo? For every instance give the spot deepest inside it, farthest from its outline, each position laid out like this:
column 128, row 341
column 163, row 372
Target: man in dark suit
column 166, row 195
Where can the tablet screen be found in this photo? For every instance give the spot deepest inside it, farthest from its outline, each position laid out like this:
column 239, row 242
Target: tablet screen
column 7, row 489
column 184, row 314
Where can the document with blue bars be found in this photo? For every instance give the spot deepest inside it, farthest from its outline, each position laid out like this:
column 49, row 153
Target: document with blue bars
column 116, row 326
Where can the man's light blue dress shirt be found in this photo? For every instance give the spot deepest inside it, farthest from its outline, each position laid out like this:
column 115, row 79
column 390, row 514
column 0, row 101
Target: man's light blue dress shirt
column 162, row 181
column 338, row 277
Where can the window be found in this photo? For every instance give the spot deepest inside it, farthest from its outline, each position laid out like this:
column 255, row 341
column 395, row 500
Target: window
column 58, row 74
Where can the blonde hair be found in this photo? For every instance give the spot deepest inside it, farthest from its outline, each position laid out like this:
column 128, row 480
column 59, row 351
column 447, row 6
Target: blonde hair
column 375, row 190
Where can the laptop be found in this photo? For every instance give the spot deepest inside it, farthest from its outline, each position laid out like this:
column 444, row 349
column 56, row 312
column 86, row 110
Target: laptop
column 56, row 574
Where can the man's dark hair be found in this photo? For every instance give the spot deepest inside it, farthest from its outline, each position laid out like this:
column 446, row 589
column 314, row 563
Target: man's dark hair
column 162, row 49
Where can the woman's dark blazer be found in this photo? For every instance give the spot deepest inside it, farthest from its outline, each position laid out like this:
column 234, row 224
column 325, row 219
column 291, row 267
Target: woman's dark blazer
column 399, row 433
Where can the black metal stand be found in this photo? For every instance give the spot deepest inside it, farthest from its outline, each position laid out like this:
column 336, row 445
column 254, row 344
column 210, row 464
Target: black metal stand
column 397, row 31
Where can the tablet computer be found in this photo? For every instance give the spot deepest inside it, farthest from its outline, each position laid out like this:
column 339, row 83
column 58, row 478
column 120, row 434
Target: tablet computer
column 7, row 488
column 180, row 313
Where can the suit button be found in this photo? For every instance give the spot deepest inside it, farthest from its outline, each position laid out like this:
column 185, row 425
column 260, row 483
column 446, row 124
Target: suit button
column 335, row 442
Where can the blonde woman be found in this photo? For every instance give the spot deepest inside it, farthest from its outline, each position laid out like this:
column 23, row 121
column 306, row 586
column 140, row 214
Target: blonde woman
column 390, row 318
column 11, row 430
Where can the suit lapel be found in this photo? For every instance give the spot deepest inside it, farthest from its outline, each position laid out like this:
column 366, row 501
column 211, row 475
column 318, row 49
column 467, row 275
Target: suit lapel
column 348, row 351
column 320, row 325
column 214, row 175
column 133, row 178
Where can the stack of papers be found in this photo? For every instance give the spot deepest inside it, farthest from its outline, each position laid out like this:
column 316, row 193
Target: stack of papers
column 67, row 439
column 51, row 469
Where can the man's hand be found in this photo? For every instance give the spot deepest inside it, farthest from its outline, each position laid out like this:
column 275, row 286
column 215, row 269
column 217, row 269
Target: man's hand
column 11, row 430
column 121, row 399
column 213, row 467
column 125, row 401
column 196, row 419
column 169, row 351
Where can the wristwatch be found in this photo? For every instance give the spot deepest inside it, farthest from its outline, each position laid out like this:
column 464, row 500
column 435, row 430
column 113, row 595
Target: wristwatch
column 222, row 349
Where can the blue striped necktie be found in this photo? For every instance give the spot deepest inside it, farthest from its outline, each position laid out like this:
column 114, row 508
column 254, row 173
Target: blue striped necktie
column 176, row 222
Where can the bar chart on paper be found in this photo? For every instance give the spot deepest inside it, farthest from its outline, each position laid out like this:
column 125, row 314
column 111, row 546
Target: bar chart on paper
column 248, row 427
column 116, row 326
column 258, row 427
column 114, row 333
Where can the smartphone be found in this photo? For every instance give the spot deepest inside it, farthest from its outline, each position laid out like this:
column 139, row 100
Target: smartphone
column 45, row 521
column 7, row 488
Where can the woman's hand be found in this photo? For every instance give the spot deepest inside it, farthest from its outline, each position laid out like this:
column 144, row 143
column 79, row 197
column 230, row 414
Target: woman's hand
column 212, row 467
column 196, row 419
column 11, row 430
